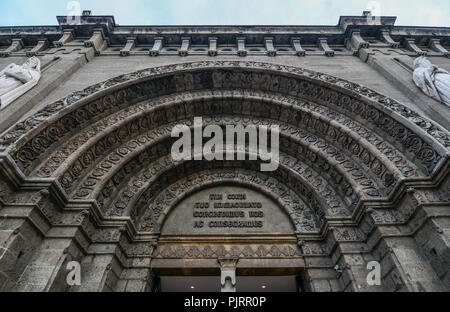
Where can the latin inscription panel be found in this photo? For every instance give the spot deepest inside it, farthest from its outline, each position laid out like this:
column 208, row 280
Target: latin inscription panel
column 227, row 210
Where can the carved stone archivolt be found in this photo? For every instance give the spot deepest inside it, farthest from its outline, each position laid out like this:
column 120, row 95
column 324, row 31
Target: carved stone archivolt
column 340, row 142
column 103, row 144
column 79, row 108
column 346, row 174
column 150, row 215
column 143, row 187
column 107, row 176
column 106, row 134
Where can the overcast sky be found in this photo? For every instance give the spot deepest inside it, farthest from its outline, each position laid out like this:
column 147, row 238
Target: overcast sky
column 225, row 12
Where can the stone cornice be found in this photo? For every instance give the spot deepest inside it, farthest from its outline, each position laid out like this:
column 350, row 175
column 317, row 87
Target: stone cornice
column 145, row 34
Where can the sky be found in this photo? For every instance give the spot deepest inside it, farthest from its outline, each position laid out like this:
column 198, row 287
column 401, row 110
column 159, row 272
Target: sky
column 225, row 12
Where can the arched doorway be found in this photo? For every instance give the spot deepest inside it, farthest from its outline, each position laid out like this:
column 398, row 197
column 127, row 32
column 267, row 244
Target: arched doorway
column 99, row 161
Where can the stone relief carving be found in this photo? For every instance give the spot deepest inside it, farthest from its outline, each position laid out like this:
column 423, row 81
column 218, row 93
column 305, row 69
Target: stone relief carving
column 78, row 168
column 432, row 80
column 348, row 234
column 317, row 248
column 44, row 202
column 16, row 80
column 307, row 89
column 112, row 161
column 219, row 251
column 150, row 180
column 123, row 98
column 193, row 252
column 89, row 157
column 137, row 126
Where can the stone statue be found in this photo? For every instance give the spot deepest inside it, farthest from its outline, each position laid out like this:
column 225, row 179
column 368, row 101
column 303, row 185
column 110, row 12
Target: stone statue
column 432, row 80
column 16, row 80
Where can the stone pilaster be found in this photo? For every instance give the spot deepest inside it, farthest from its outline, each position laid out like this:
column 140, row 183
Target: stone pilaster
column 18, row 241
column 414, row 268
column 99, row 273
column 320, row 274
column 47, row 270
column 137, row 279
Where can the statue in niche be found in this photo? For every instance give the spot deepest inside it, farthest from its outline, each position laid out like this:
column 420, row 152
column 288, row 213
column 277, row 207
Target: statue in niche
column 16, row 80
column 432, row 80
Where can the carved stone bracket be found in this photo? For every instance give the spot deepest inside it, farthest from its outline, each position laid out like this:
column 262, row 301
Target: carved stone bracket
column 242, row 51
column 228, row 274
column 323, row 45
column 298, row 47
column 357, row 42
column 16, row 45
column 411, row 45
column 157, row 46
column 42, row 45
column 212, row 46
column 131, row 43
column 98, row 41
column 66, row 38
column 185, row 43
column 269, row 46
column 435, row 44
column 386, row 37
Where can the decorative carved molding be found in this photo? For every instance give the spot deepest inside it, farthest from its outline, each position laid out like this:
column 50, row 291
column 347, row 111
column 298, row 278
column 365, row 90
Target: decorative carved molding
column 10, row 139
column 31, row 139
column 117, row 158
column 220, row 251
column 151, row 212
column 126, row 133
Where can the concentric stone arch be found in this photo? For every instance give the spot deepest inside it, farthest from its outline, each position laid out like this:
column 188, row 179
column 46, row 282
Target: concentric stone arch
column 359, row 123
column 431, row 133
column 148, row 98
column 291, row 204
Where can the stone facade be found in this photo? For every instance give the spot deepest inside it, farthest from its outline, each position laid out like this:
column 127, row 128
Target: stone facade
column 86, row 173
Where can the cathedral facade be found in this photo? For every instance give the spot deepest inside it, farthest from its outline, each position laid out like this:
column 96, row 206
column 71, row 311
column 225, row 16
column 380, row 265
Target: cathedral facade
column 92, row 200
